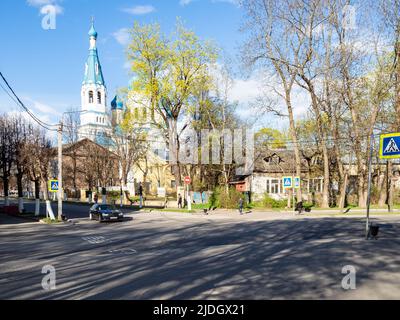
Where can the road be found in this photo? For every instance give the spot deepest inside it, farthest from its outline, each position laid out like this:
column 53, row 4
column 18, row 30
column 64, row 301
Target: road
column 183, row 256
column 71, row 210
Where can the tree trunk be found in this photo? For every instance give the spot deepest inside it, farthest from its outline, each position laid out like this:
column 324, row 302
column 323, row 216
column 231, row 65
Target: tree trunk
column 20, row 192
column 322, row 136
column 383, row 189
column 37, row 197
column 49, row 210
column 6, row 191
column 295, row 141
column 343, row 188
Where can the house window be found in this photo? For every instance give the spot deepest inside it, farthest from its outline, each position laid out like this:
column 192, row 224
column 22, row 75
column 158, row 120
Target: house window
column 274, row 186
column 99, row 97
column 90, row 96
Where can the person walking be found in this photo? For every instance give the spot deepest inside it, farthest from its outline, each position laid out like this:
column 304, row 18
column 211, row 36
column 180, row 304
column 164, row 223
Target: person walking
column 241, row 206
column 140, row 195
column 179, row 201
column 96, row 198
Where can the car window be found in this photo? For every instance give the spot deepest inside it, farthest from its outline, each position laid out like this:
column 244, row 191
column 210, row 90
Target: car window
column 104, row 207
column 94, row 207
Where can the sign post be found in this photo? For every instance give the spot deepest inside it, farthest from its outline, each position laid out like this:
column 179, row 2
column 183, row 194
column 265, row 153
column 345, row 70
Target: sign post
column 288, row 184
column 389, row 148
column 187, row 182
column 296, row 185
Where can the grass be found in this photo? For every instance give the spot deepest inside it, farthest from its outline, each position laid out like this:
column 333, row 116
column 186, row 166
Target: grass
column 49, row 221
column 177, row 210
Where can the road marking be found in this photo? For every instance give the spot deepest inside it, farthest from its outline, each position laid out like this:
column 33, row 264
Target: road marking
column 94, row 239
column 122, row 251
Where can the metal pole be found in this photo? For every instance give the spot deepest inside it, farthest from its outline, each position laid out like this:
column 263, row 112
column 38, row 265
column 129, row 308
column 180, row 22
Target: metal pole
column 60, row 182
column 367, row 225
column 188, row 199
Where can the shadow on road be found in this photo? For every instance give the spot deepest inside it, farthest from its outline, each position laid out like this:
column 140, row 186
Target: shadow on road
column 280, row 259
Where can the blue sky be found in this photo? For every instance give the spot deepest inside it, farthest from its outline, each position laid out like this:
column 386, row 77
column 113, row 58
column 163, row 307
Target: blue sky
column 46, row 67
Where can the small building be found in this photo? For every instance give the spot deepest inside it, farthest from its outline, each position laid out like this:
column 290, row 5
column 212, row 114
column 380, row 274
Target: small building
column 269, row 169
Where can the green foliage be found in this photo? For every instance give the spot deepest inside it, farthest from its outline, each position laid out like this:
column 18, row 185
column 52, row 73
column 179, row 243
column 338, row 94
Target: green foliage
column 221, row 199
column 114, row 195
column 168, row 70
column 271, row 138
column 268, row 202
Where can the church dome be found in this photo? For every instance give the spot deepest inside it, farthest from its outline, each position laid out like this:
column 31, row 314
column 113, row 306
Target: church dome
column 93, row 32
column 117, row 104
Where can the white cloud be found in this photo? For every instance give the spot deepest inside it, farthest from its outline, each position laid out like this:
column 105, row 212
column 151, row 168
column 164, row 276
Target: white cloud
column 185, row 2
column 43, row 5
column 42, row 108
column 139, row 10
column 122, row 36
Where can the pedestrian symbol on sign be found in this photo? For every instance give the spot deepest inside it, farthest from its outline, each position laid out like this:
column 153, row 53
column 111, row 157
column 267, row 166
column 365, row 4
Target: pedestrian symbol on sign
column 391, row 147
column 287, row 182
column 53, row 185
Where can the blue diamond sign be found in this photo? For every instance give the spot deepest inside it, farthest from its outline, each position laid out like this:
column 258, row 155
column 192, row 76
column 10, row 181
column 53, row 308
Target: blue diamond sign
column 389, row 147
column 297, row 182
column 53, row 185
column 287, row 182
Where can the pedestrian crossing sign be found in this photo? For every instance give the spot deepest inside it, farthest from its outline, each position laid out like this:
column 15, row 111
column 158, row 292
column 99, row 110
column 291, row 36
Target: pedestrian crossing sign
column 297, row 182
column 389, row 147
column 287, row 182
column 53, row 185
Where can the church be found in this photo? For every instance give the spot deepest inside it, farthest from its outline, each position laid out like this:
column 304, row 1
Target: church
column 98, row 123
column 95, row 119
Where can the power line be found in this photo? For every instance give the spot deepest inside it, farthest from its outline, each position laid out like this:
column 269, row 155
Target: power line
column 18, row 101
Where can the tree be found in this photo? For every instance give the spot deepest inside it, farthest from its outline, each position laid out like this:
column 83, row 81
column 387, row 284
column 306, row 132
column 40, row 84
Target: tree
column 7, row 153
column 71, row 127
column 168, row 71
column 273, row 47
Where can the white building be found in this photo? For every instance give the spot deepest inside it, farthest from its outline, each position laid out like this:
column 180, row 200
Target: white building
column 95, row 120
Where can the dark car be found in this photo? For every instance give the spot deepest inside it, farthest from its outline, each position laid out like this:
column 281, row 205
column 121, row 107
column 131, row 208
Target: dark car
column 105, row 212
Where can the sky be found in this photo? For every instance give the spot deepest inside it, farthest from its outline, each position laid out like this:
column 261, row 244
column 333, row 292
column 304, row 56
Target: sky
column 45, row 67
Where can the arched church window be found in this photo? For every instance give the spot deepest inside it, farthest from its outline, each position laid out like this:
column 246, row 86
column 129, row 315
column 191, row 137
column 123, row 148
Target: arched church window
column 99, row 97
column 90, row 96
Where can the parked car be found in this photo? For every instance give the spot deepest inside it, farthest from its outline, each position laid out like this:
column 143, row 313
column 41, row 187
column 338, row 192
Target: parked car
column 105, row 212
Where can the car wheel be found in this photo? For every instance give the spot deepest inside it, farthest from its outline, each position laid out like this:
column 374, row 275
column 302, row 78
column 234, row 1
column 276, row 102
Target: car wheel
column 100, row 219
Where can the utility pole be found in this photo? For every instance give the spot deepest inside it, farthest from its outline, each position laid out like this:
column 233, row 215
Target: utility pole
column 60, row 184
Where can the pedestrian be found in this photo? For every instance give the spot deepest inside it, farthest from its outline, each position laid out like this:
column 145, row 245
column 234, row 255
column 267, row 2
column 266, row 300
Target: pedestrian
column 179, row 201
column 96, row 198
column 241, row 206
column 140, row 195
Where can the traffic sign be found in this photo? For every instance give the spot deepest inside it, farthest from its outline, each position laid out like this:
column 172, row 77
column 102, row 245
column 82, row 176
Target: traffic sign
column 389, row 147
column 297, row 182
column 53, row 185
column 287, row 182
column 187, row 180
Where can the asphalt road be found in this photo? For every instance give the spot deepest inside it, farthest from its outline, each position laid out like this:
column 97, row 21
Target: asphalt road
column 182, row 256
column 71, row 210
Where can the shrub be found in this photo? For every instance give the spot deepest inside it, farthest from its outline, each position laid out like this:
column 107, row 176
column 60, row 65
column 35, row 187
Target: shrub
column 114, row 195
column 220, row 199
column 269, row 202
